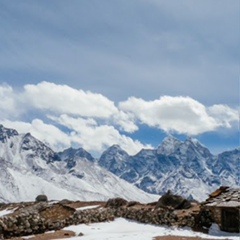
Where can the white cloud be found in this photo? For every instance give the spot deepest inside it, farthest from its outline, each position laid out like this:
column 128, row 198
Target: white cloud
column 125, row 121
column 93, row 137
column 82, row 132
column 64, row 99
column 224, row 115
column 183, row 115
column 94, row 122
column 8, row 102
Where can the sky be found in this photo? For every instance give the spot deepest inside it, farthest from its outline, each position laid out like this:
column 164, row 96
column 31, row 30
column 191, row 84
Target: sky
column 89, row 73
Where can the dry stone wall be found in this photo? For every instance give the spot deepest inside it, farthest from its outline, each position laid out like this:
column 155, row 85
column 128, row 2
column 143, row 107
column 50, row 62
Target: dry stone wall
column 35, row 219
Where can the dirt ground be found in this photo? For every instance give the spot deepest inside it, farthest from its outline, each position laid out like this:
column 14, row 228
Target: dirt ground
column 48, row 236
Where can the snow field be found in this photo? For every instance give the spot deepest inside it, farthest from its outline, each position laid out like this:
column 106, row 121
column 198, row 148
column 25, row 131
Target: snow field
column 122, row 229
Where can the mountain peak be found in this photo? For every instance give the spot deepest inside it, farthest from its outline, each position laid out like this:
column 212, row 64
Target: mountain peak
column 193, row 141
column 199, row 147
column 71, row 153
column 6, row 133
column 168, row 145
column 115, row 149
column 171, row 139
column 115, row 146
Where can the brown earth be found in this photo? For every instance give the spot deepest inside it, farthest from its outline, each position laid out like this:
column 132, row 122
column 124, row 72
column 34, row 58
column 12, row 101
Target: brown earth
column 69, row 234
column 48, row 236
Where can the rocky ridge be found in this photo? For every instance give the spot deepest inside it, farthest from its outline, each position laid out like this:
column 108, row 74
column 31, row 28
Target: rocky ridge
column 188, row 168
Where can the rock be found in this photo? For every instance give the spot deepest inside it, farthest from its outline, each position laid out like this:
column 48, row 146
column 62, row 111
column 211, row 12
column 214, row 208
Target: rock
column 65, row 202
column 173, row 201
column 41, row 198
column 116, row 202
column 2, row 205
column 132, row 203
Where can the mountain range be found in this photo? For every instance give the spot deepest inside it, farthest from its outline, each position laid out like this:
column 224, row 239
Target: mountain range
column 186, row 168
column 28, row 167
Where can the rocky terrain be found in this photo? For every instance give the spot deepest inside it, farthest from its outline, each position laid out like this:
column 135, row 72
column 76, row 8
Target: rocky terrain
column 31, row 218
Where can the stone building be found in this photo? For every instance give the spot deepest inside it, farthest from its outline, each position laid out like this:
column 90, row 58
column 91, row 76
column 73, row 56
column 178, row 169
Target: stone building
column 224, row 205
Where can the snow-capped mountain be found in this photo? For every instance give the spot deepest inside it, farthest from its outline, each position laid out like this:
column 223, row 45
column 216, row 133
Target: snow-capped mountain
column 187, row 168
column 6, row 133
column 28, row 168
column 115, row 160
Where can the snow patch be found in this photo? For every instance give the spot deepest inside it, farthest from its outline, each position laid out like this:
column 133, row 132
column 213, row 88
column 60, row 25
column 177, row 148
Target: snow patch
column 6, row 212
column 122, row 229
column 87, row 207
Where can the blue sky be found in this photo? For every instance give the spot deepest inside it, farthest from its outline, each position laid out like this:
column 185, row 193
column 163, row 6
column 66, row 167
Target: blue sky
column 94, row 73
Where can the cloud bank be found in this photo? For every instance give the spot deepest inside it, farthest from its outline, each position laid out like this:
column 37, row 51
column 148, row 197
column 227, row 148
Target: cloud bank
column 62, row 116
column 182, row 115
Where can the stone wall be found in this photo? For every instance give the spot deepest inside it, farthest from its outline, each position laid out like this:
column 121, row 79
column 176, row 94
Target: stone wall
column 35, row 219
column 216, row 214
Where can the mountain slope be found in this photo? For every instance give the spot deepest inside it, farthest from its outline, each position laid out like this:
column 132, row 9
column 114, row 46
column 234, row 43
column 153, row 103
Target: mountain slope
column 28, row 168
column 187, row 168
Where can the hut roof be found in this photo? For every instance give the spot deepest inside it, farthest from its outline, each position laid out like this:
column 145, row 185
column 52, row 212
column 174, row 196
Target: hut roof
column 224, row 197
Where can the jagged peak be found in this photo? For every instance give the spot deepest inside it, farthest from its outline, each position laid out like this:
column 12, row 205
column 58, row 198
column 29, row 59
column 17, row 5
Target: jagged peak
column 28, row 135
column 75, row 152
column 194, row 141
column 115, row 148
column 6, row 133
column 171, row 139
column 4, row 129
column 168, row 145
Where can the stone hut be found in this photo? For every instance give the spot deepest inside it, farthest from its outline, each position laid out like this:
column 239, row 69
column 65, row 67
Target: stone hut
column 224, row 205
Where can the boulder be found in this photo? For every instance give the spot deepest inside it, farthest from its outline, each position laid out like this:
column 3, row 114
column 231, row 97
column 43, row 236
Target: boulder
column 173, row 201
column 41, row 198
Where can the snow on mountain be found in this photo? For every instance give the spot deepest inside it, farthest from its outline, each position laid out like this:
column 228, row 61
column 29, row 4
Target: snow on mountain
column 186, row 168
column 115, row 160
column 102, row 181
column 28, row 168
column 227, row 166
column 169, row 145
column 69, row 155
column 6, row 133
